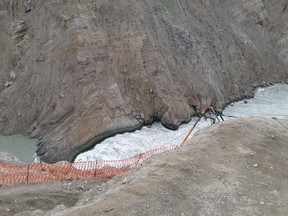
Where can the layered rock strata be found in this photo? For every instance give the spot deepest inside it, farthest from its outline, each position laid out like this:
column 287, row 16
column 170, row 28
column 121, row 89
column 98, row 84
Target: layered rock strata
column 75, row 72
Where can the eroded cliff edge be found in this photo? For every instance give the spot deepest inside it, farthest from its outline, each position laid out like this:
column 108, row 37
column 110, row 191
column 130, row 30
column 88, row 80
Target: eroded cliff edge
column 73, row 72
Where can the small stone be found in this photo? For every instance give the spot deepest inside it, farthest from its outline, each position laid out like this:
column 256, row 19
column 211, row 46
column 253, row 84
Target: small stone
column 125, row 181
column 12, row 75
column 262, row 203
column 138, row 99
column 62, row 95
column 80, row 187
column 245, row 102
column 251, row 154
column 271, row 167
column 20, row 28
column 256, row 165
column 40, row 58
column 27, row 5
column 38, row 212
column 8, row 83
column 64, row 18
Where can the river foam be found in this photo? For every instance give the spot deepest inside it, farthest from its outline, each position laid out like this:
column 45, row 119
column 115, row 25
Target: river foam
column 269, row 102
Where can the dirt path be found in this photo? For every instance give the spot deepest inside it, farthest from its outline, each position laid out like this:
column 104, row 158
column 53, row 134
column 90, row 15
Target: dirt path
column 235, row 168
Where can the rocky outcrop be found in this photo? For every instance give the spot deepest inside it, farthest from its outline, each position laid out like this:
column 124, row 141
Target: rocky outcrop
column 87, row 69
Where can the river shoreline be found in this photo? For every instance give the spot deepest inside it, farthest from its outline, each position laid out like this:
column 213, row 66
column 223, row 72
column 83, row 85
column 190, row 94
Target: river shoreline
column 129, row 144
column 98, row 140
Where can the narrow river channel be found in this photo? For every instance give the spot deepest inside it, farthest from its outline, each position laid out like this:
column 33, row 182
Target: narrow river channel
column 268, row 102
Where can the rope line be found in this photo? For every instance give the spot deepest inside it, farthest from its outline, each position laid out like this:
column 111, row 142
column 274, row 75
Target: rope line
column 181, row 135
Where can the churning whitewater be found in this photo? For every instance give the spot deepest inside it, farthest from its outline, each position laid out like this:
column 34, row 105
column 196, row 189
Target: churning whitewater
column 268, row 102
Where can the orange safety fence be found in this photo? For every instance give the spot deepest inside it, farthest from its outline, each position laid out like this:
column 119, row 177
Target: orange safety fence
column 11, row 174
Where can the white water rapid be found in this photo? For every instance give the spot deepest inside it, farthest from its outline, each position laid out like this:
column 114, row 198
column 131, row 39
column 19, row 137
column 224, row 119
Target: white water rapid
column 268, row 102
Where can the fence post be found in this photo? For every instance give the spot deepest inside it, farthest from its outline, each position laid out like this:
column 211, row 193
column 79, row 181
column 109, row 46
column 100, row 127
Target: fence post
column 2, row 183
column 140, row 156
column 27, row 176
column 95, row 169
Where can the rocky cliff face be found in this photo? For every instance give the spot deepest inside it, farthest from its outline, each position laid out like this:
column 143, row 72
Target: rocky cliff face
column 74, row 72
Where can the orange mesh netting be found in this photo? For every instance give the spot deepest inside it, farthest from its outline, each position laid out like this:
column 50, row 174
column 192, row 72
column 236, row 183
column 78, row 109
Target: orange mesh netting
column 11, row 174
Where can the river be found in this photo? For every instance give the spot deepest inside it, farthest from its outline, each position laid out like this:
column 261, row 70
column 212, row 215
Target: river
column 20, row 146
column 269, row 102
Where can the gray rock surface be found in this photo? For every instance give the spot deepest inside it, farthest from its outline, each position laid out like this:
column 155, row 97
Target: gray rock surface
column 88, row 69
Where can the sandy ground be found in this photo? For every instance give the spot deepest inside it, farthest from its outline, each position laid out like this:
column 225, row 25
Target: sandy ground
column 238, row 167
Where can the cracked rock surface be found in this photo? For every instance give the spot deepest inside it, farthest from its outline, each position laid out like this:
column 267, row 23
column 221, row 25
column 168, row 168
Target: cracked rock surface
column 74, row 73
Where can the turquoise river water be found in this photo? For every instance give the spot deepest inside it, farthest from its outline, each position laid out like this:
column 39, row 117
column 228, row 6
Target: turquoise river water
column 268, row 102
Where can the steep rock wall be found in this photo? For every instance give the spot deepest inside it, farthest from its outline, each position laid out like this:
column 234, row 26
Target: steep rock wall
column 74, row 72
